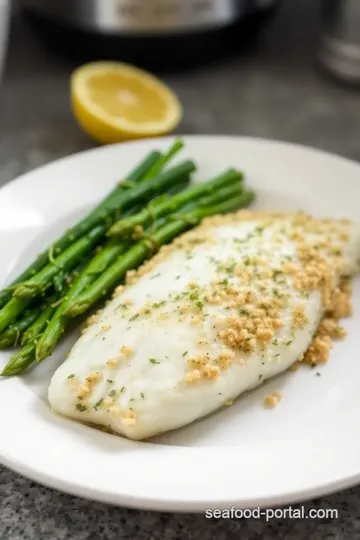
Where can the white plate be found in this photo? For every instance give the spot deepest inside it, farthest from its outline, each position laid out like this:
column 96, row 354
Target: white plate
column 244, row 456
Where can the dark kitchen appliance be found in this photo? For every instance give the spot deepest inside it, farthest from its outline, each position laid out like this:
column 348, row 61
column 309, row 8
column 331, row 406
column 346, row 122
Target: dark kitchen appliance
column 157, row 34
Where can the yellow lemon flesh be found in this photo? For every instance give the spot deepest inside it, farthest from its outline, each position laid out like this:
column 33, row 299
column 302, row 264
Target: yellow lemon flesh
column 114, row 102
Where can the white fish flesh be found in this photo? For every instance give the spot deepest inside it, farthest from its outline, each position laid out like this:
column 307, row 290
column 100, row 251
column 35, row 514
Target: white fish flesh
column 225, row 307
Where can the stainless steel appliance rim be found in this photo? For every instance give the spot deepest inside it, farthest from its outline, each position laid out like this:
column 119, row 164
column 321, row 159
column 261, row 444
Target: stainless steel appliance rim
column 131, row 17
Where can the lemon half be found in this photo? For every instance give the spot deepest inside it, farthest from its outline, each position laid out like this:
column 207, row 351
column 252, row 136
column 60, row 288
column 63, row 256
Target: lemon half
column 114, row 102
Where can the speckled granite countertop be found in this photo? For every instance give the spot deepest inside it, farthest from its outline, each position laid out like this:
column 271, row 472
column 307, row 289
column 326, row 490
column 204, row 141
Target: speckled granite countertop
column 275, row 92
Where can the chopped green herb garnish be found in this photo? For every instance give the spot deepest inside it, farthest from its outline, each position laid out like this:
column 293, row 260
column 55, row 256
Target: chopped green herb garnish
column 239, row 240
column 230, row 269
column 110, row 381
column 287, row 343
column 276, row 293
column 123, row 388
column 142, row 395
column 185, row 353
column 121, row 306
column 112, row 393
column 71, row 376
column 153, row 361
column 134, row 317
column 80, row 407
column 155, row 276
column 177, row 277
column 98, row 404
column 159, row 304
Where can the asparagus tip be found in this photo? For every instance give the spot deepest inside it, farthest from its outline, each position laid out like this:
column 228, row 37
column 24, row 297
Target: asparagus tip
column 43, row 351
column 75, row 308
column 25, row 290
column 10, row 369
column 119, row 229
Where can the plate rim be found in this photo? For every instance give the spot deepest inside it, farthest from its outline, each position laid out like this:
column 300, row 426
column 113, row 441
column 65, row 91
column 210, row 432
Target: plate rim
column 180, row 506
column 168, row 139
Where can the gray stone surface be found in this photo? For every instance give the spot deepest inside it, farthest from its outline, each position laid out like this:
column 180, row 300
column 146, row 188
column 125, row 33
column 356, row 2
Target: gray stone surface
column 277, row 92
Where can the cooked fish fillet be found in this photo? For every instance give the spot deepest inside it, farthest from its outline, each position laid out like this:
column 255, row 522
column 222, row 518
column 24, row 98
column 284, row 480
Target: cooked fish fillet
column 226, row 306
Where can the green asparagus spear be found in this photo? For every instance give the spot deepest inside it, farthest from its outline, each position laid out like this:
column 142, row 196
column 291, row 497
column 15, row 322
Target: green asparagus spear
column 11, row 336
column 210, row 199
column 69, row 258
column 39, row 324
column 88, row 223
column 26, row 356
column 11, row 310
column 59, row 321
column 61, row 284
column 146, row 216
column 20, row 361
column 138, row 253
column 161, row 162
